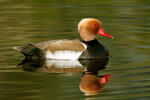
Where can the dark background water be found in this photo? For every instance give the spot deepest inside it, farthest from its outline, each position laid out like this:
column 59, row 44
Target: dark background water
column 32, row 21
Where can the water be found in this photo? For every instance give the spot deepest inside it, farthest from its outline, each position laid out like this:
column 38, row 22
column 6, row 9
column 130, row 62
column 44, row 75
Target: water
column 32, row 21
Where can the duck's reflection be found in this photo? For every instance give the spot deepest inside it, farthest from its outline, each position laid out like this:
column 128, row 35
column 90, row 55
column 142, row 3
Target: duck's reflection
column 90, row 82
column 56, row 66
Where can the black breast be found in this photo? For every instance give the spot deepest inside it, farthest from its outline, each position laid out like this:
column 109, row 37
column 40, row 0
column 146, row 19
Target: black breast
column 94, row 50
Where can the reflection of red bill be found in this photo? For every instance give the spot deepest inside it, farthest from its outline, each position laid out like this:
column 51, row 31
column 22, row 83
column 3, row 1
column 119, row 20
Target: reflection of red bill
column 104, row 79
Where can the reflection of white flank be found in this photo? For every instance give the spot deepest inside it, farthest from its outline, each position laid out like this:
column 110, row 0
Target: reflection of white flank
column 66, row 54
column 63, row 63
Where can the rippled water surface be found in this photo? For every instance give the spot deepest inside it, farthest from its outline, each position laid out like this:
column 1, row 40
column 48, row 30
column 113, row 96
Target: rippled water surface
column 32, row 21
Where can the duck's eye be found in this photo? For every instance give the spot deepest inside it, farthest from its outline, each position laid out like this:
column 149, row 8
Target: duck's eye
column 96, row 27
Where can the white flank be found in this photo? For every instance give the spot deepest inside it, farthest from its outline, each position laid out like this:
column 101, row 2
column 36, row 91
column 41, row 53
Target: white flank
column 66, row 54
column 63, row 63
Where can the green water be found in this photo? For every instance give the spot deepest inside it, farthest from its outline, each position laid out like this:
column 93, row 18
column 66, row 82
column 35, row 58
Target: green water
column 32, row 21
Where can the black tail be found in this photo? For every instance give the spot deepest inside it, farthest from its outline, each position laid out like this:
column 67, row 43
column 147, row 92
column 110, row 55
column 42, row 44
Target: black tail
column 30, row 51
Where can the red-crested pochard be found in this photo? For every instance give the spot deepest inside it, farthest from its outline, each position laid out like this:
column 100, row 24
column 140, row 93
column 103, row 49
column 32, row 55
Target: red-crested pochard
column 87, row 48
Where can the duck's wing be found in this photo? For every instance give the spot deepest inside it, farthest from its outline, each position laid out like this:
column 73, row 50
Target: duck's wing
column 65, row 44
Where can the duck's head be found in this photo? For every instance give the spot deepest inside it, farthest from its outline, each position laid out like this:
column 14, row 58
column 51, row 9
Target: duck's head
column 90, row 27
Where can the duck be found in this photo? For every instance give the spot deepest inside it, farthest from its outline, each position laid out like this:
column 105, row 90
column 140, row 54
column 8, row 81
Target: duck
column 86, row 48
